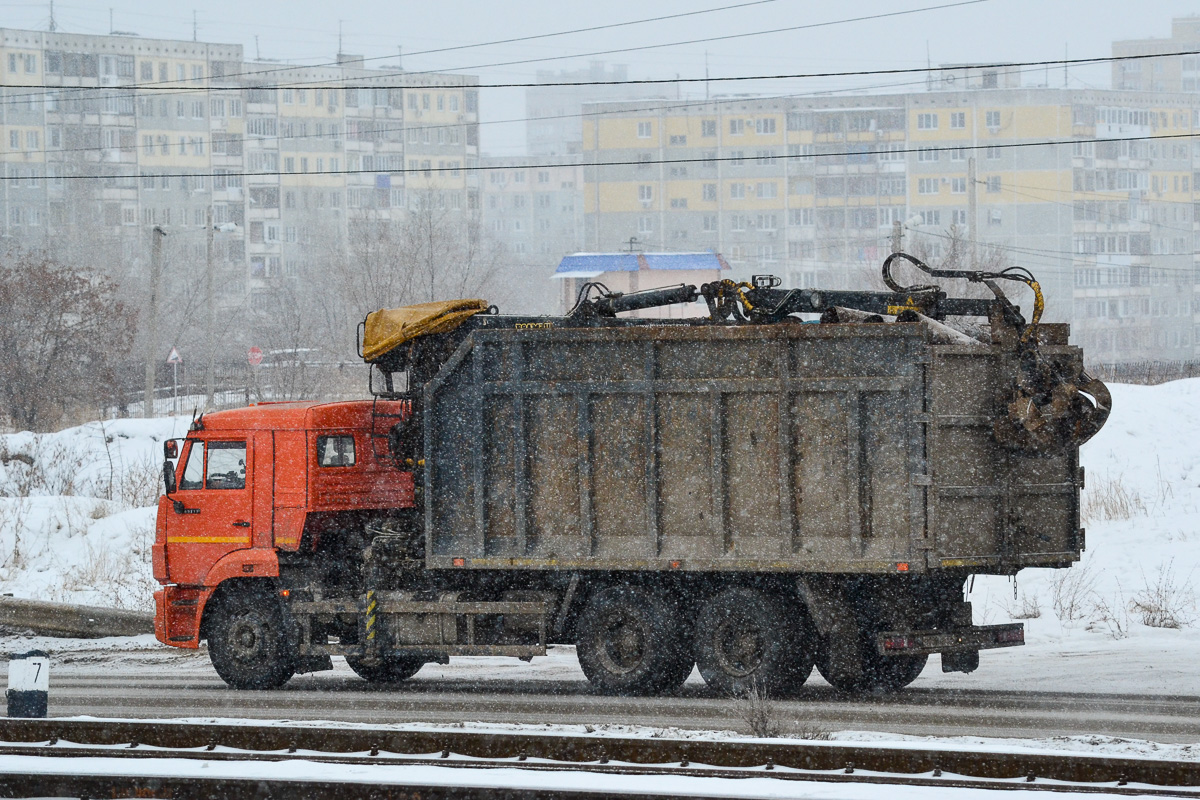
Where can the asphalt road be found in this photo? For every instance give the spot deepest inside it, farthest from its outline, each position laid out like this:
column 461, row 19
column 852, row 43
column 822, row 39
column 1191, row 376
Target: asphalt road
column 140, row 691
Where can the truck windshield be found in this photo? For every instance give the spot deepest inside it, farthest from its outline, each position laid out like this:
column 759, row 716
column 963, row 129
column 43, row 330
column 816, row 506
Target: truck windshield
column 226, row 466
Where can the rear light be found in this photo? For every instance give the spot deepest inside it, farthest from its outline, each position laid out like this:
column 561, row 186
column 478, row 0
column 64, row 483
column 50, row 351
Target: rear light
column 459, row 562
column 1011, row 635
column 897, row 642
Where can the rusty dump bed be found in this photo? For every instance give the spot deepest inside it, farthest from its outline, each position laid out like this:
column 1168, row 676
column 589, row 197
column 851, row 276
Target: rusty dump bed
column 789, row 447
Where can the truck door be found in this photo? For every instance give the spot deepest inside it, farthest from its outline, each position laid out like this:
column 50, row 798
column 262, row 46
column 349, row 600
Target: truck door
column 212, row 508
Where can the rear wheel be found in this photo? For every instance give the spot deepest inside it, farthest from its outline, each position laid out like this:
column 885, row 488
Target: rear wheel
column 631, row 641
column 854, row 664
column 247, row 643
column 745, row 639
column 391, row 670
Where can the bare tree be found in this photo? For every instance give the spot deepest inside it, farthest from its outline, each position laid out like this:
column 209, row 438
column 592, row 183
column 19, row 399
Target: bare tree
column 61, row 337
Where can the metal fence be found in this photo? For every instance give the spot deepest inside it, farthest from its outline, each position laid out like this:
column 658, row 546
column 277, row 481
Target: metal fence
column 179, row 389
column 1146, row 373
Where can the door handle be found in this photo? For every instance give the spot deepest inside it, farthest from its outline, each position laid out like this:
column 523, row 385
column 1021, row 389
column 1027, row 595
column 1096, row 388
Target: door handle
column 241, row 524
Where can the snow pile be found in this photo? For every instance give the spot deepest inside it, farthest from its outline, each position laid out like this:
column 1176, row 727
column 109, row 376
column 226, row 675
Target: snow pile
column 77, row 511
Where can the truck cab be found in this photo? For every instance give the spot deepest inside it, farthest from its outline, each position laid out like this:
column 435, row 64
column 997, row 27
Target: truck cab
column 250, row 485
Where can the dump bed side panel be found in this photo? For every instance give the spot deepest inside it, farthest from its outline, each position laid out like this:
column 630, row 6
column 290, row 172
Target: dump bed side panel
column 789, row 447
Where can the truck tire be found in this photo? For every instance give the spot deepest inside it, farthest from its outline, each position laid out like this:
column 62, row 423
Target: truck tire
column 393, row 670
column 855, row 666
column 247, row 643
column 745, row 638
column 632, row 642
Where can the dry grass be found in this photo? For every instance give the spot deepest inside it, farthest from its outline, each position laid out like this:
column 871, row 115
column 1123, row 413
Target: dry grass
column 1110, row 498
column 759, row 711
column 1165, row 601
column 1071, row 592
column 1028, row 606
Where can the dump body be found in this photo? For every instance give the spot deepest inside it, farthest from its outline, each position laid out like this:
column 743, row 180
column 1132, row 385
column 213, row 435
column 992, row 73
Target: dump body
column 856, row 448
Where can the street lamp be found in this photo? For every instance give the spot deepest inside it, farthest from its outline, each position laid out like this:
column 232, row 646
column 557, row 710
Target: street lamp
column 210, row 333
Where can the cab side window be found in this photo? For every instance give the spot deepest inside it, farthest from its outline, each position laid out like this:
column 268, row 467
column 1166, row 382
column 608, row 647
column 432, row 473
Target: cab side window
column 335, row 451
column 193, row 473
column 226, row 466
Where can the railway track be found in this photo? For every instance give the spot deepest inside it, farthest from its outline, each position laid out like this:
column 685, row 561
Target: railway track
column 183, row 760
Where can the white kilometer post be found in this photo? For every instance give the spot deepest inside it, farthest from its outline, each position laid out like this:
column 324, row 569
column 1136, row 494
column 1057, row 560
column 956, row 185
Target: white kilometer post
column 28, row 684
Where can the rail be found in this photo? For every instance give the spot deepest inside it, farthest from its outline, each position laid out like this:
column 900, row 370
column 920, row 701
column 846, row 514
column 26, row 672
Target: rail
column 161, row 758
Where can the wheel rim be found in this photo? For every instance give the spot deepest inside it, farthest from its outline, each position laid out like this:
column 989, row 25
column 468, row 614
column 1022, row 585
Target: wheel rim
column 739, row 648
column 621, row 643
column 245, row 639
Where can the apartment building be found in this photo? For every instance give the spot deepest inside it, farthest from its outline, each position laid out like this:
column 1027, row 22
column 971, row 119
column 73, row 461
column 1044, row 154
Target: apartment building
column 533, row 211
column 810, row 188
column 1167, row 74
column 554, row 110
column 104, row 137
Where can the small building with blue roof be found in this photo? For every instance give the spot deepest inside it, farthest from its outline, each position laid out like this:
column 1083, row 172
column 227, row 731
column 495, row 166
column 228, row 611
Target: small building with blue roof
column 632, row 272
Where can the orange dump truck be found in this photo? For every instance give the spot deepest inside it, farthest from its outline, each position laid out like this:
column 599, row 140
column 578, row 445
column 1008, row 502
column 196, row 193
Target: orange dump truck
column 798, row 478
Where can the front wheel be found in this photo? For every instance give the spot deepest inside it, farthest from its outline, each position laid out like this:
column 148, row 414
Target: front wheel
column 247, row 643
column 391, row 670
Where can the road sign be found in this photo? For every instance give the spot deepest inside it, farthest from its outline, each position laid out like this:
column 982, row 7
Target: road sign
column 174, row 357
column 254, row 356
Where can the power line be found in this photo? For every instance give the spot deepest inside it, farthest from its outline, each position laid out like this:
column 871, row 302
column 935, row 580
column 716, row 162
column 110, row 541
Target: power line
column 171, row 88
column 180, row 84
column 655, row 105
column 701, row 160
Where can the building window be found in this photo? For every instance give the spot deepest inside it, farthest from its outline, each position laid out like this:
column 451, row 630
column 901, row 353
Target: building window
column 927, row 185
column 958, row 154
column 958, row 119
column 678, row 141
column 958, row 185
column 767, row 190
column 645, row 192
column 708, row 127
column 709, row 191
column 645, row 130
column 737, row 127
column 992, row 120
column 737, row 191
column 992, row 153
column 927, row 122
column 928, row 154
column 764, row 125
column 678, row 202
column 645, row 224
column 993, row 183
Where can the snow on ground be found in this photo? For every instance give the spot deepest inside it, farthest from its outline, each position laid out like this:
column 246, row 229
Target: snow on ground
column 77, row 511
column 610, row 784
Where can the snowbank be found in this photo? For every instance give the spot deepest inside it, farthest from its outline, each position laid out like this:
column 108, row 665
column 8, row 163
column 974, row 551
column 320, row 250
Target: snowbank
column 77, row 511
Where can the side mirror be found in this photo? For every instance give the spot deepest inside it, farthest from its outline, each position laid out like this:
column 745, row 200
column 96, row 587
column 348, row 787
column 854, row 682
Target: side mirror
column 169, row 477
column 171, row 448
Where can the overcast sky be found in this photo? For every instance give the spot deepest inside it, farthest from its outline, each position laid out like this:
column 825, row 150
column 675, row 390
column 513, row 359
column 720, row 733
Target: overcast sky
column 306, row 31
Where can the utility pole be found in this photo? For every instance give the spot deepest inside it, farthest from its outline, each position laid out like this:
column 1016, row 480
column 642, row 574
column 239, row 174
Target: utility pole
column 897, row 235
column 156, row 236
column 210, row 321
column 972, row 211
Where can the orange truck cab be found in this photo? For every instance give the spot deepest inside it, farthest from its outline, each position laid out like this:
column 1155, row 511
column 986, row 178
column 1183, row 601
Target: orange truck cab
column 250, row 487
